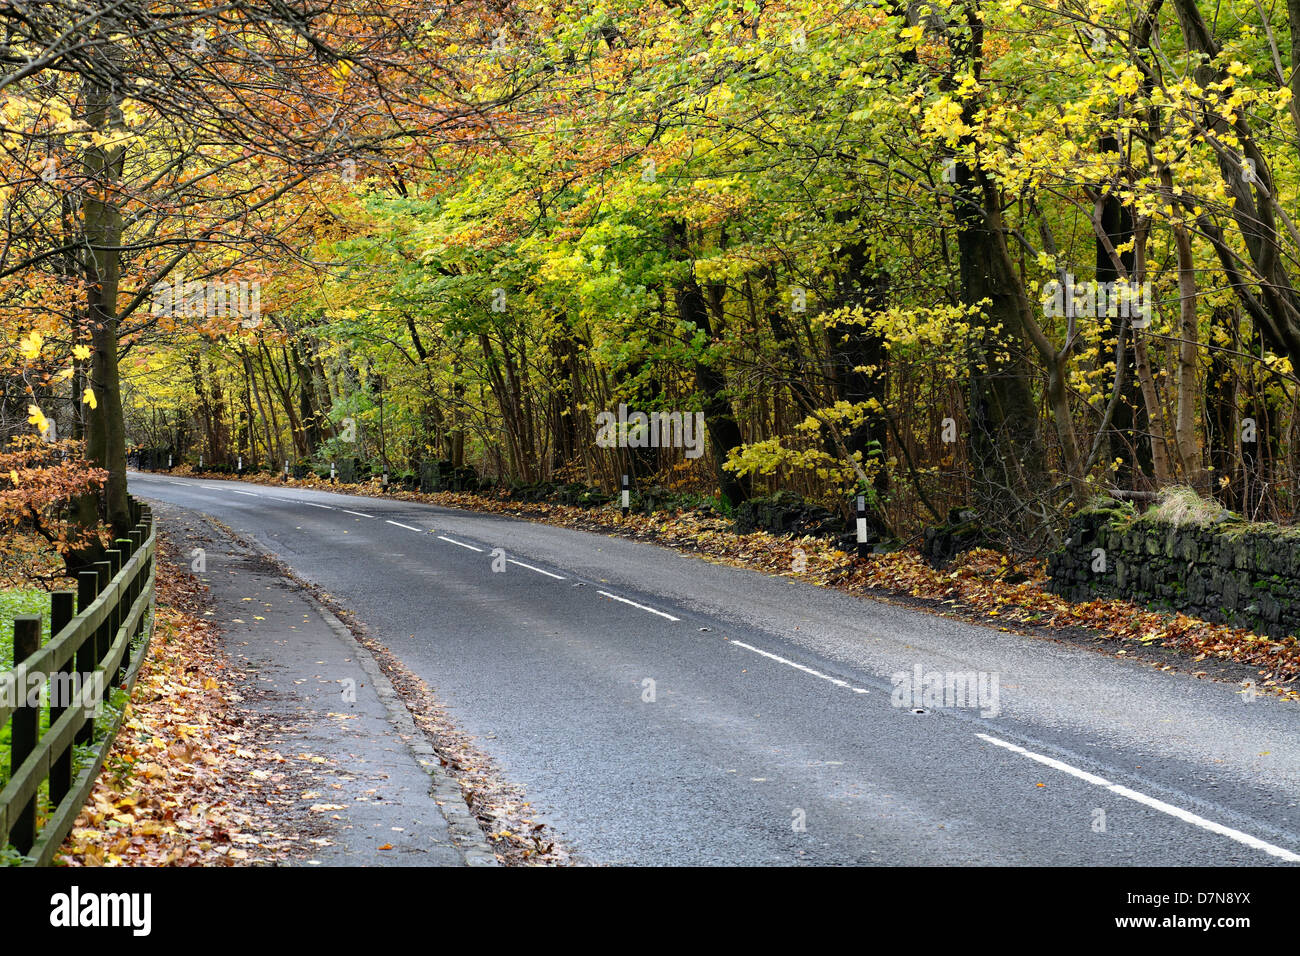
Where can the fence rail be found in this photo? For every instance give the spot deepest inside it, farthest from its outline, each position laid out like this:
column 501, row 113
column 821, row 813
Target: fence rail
column 89, row 654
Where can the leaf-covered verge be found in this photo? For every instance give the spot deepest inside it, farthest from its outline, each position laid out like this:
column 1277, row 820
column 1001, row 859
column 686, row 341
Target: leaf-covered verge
column 188, row 781
column 981, row 585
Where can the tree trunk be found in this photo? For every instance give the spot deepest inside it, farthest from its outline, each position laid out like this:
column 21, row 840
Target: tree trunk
column 106, row 434
column 1189, row 450
column 1126, row 437
column 724, row 433
column 1155, row 414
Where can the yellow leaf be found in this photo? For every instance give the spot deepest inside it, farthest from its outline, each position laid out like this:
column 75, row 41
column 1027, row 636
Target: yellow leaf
column 36, row 417
column 89, row 398
column 30, row 346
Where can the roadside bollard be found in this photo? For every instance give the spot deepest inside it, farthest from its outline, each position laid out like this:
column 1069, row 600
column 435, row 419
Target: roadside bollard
column 862, row 526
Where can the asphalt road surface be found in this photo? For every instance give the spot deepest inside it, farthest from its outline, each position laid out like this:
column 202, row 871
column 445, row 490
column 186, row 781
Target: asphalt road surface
column 659, row 709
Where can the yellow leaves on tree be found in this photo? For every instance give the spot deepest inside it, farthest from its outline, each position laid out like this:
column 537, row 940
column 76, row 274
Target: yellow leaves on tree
column 31, row 345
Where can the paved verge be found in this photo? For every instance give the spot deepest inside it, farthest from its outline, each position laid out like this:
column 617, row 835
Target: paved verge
column 379, row 796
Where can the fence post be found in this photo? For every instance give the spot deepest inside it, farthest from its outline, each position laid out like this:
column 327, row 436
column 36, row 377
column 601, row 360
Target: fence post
column 87, row 591
column 23, row 730
column 61, row 614
column 118, row 560
column 104, row 634
column 128, row 548
column 138, row 537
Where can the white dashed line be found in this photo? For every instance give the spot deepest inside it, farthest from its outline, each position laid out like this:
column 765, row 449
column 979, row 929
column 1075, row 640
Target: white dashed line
column 558, row 577
column 310, row 504
column 231, row 490
column 406, row 526
column 357, row 513
column 615, row 597
column 1184, row 815
column 460, row 543
column 802, row 667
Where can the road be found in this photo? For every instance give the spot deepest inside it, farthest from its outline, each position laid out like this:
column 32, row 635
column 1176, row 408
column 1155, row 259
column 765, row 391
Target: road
column 658, row 709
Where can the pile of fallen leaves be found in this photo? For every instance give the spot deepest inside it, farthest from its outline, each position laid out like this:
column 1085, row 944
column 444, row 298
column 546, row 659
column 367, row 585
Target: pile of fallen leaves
column 180, row 785
column 981, row 584
column 503, row 814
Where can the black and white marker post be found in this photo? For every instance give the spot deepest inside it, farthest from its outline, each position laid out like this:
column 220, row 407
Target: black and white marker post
column 331, row 473
column 240, row 467
column 862, row 526
column 626, row 498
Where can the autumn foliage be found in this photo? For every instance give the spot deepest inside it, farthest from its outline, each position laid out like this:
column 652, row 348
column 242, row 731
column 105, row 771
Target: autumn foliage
column 38, row 484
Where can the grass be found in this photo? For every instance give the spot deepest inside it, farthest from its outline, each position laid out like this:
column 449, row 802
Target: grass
column 15, row 604
column 1181, row 505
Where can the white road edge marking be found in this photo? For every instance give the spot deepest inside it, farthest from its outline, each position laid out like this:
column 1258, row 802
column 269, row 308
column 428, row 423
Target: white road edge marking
column 558, row 577
column 460, row 543
column 357, row 513
column 248, row 493
column 641, row 606
column 1186, row 816
column 312, row 504
column 406, row 526
column 802, row 667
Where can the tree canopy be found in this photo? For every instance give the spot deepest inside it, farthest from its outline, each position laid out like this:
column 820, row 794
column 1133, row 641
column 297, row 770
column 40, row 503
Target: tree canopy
column 960, row 254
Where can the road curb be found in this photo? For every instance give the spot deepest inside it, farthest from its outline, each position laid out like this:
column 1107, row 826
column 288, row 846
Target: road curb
column 464, row 828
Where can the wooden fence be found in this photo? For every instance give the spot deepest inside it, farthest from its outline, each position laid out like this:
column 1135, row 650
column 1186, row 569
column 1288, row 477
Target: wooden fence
column 90, row 653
